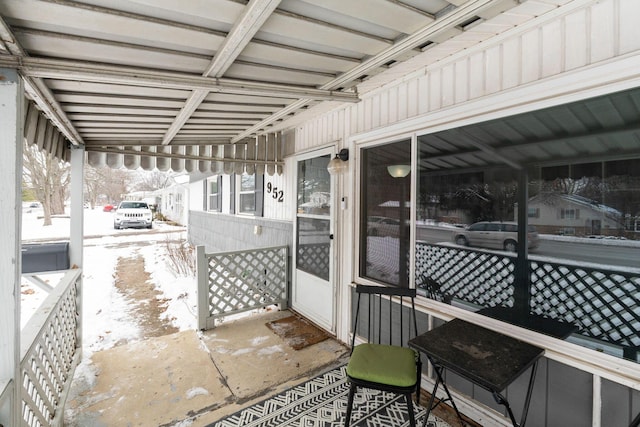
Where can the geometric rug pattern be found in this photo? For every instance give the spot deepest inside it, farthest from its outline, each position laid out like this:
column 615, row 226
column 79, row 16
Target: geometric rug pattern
column 322, row 402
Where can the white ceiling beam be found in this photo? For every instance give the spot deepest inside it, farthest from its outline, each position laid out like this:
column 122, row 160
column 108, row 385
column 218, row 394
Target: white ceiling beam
column 465, row 11
column 82, row 71
column 253, row 16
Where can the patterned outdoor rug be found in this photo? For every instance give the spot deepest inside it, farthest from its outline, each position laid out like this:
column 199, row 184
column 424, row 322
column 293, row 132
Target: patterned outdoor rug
column 321, row 402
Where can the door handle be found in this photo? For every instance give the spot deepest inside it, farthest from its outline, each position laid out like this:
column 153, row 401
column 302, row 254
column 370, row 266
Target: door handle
column 331, row 236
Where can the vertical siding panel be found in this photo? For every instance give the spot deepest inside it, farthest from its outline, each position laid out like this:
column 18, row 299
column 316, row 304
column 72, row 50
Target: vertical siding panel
column 402, row 101
column 448, row 87
column 461, row 81
column 511, row 60
column 576, row 50
column 628, row 25
column 332, row 127
column 327, row 130
column 553, row 48
column 568, row 387
column 412, row 98
column 531, row 56
column 381, row 109
column 360, row 115
column 393, row 104
column 493, row 67
column 376, row 109
column 435, row 89
column 603, row 43
column 367, row 113
column 353, row 120
column 423, row 94
column 476, row 75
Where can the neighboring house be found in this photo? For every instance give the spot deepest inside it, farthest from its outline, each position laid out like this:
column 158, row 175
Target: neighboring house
column 570, row 214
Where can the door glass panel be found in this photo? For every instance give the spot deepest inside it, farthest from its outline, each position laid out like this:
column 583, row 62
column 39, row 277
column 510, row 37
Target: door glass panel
column 313, row 243
column 314, row 186
column 313, row 247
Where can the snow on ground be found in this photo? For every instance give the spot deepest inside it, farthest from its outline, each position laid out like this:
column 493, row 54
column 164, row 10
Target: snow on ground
column 106, row 318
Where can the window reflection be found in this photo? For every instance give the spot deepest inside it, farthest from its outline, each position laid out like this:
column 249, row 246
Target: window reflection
column 385, row 212
column 314, row 196
column 582, row 267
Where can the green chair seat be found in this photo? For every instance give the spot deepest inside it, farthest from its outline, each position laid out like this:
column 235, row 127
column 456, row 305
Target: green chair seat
column 383, row 364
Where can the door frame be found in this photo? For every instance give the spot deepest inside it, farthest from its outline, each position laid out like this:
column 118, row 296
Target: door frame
column 331, row 326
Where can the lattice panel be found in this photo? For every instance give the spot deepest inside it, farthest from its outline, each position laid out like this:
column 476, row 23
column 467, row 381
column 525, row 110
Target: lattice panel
column 241, row 281
column 477, row 277
column 605, row 304
column 314, row 259
column 47, row 367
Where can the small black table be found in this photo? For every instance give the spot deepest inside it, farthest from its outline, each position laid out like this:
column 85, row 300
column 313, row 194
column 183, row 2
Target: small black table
column 487, row 358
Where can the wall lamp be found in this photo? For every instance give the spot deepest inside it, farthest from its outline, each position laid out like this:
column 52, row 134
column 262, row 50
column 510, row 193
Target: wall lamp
column 399, row 171
column 338, row 164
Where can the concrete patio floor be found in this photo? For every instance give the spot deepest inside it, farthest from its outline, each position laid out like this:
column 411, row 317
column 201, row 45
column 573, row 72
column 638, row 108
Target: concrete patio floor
column 191, row 378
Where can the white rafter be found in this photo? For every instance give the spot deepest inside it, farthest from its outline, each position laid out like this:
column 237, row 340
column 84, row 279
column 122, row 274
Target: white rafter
column 255, row 14
column 82, row 71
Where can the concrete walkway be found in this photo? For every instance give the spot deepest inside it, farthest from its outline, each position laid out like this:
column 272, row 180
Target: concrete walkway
column 191, row 378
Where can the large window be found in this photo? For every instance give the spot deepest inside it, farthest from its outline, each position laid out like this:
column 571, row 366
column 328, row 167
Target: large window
column 385, row 212
column 576, row 261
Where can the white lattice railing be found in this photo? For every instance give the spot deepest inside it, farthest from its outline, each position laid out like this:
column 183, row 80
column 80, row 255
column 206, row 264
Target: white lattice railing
column 234, row 282
column 49, row 354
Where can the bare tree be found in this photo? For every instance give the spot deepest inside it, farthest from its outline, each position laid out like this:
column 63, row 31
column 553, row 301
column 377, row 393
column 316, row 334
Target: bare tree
column 152, row 180
column 112, row 183
column 48, row 178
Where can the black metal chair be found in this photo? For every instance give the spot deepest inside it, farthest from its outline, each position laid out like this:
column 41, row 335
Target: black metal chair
column 390, row 367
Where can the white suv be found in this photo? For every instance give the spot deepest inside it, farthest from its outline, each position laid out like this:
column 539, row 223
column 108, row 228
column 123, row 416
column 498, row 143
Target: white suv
column 495, row 235
column 133, row 214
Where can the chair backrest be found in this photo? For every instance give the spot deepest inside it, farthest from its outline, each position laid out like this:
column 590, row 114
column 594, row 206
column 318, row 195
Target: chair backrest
column 389, row 316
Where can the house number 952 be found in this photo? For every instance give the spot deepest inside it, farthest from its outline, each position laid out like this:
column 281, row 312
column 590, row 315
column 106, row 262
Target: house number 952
column 275, row 193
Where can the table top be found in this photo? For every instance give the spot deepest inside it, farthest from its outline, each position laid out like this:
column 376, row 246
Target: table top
column 485, row 357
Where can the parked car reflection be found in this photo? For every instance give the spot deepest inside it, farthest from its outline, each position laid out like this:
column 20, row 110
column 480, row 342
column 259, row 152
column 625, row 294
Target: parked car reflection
column 494, row 235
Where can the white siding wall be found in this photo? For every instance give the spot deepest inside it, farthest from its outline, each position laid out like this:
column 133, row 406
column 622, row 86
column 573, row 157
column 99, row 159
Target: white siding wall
column 274, row 209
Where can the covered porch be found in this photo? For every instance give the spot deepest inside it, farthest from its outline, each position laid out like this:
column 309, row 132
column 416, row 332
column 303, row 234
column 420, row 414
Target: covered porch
column 453, row 91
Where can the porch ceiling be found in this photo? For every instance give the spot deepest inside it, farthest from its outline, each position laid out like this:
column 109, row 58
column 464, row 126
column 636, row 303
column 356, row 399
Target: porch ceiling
column 216, row 80
column 124, row 76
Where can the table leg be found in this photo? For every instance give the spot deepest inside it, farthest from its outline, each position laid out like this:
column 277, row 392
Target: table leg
column 439, row 380
column 532, row 378
column 500, row 400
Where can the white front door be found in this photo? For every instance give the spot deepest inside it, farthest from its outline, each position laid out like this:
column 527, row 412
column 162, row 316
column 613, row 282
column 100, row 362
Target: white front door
column 313, row 290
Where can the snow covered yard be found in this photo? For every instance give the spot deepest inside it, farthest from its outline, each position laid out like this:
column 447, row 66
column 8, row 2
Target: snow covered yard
column 110, row 316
